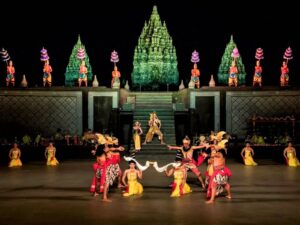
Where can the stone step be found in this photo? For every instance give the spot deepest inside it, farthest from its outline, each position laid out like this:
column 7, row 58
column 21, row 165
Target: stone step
column 154, row 107
column 157, row 110
column 139, row 112
column 161, row 117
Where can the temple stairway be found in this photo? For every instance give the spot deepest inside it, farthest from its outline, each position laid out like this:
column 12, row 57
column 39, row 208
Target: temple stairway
column 161, row 103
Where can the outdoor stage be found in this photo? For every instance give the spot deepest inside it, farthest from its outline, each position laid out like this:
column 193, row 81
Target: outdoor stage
column 37, row 194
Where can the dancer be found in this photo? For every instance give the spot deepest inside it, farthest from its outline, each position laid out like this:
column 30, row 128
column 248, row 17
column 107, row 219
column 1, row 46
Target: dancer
column 100, row 179
column 290, row 156
column 247, row 155
column 83, row 74
column 137, row 132
column 115, row 76
column 47, row 78
column 196, row 75
column 133, row 187
column 257, row 74
column 10, row 78
column 187, row 152
column 112, row 151
column 15, row 155
column 284, row 77
column 233, row 73
column 219, row 180
column 50, row 153
column 179, row 185
column 155, row 125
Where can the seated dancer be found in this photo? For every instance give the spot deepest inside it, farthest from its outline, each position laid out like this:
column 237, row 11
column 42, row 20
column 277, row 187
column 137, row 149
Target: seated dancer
column 247, row 155
column 10, row 77
column 187, row 152
column 50, row 155
column 179, row 185
column 290, row 156
column 219, row 179
column 100, row 180
column 155, row 125
column 133, row 187
column 15, row 155
column 137, row 132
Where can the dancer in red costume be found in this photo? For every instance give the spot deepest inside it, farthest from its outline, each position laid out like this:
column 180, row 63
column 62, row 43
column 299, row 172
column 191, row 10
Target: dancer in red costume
column 219, row 179
column 10, row 78
column 188, row 161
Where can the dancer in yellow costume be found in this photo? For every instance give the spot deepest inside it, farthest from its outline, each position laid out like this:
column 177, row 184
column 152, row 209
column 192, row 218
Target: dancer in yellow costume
column 133, row 187
column 137, row 132
column 289, row 154
column 155, row 125
column 247, row 154
column 179, row 185
column 50, row 155
column 15, row 155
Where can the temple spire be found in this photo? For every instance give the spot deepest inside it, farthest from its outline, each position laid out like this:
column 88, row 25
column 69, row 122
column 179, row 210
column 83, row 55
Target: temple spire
column 155, row 60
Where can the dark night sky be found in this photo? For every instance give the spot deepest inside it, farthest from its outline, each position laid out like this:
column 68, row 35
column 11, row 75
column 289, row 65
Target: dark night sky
column 205, row 27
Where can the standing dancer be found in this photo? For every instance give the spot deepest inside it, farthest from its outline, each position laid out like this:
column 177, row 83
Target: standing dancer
column 219, row 180
column 187, row 152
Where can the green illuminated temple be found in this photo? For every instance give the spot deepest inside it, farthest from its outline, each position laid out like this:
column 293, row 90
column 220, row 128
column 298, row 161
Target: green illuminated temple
column 155, row 60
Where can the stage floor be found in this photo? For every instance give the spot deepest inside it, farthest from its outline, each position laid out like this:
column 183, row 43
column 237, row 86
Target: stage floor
column 37, row 194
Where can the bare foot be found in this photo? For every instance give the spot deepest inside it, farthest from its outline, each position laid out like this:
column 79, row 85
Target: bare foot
column 106, row 200
column 121, row 186
column 209, row 202
column 228, row 196
column 162, row 143
column 96, row 194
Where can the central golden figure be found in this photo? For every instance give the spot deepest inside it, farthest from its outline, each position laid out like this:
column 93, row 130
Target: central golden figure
column 155, row 126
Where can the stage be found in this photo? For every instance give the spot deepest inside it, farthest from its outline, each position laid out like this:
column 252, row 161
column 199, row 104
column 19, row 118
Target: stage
column 37, row 194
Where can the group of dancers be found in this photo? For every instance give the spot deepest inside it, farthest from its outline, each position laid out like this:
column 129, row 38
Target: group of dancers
column 15, row 156
column 107, row 169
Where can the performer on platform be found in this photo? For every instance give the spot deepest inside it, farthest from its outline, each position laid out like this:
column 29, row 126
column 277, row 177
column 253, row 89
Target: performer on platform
column 133, row 187
column 233, row 73
column 219, row 181
column 10, row 78
column 155, row 126
column 257, row 79
column 179, row 185
column 115, row 76
column 50, row 153
column 290, row 156
column 247, row 155
column 284, row 77
column 47, row 78
column 15, row 156
column 187, row 152
column 196, row 75
column 137, row 132
column 83, row 74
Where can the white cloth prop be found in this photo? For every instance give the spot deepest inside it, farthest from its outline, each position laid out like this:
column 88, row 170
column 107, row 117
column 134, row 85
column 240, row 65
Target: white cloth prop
column 164, row 168
column 141, row 168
